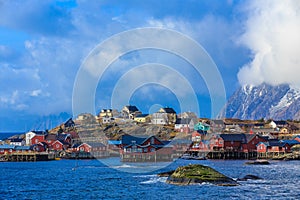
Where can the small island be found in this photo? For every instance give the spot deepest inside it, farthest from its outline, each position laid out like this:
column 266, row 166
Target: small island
column 195, row 174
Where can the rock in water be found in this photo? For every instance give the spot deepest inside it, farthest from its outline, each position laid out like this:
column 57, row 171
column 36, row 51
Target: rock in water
column 258, row 162
column 193, row 174
column 249, row 177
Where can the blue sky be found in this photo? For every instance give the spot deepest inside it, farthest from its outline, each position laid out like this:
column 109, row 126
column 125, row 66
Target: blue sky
column 43, row 44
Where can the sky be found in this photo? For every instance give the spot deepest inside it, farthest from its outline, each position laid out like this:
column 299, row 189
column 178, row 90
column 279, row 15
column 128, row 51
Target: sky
column 44, row 44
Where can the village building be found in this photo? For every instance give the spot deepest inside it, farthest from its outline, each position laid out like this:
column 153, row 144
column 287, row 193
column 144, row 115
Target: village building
column 16, row 141
column 217, row 125
column 137, row 149
column 185, row 125
column 129, row 112
column 164, row 116
column 31, row 134
column 143, row 118
column 105, row 113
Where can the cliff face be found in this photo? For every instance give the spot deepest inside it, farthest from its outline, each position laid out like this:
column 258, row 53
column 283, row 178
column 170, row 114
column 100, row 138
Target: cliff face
column 263, row 101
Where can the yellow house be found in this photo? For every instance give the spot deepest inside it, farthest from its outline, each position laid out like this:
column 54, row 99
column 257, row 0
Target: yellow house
column 284, row 130
column 142, row 118
column 106, row 113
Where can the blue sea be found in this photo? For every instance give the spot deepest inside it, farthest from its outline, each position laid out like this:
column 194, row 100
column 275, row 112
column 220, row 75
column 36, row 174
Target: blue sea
column 92, row 179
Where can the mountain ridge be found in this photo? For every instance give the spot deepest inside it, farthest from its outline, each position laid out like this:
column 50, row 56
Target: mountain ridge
column 263, row 101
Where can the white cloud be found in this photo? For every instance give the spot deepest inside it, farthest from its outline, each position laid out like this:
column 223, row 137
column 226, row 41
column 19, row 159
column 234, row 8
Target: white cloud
column 272, row 33
column 35, row 93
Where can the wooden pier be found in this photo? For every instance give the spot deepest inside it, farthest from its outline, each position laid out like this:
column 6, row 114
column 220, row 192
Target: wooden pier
column 26, row 157
column 224, row 154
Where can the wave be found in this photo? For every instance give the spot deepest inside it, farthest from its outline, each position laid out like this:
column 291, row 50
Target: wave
column 155, row 180
column 123, row 166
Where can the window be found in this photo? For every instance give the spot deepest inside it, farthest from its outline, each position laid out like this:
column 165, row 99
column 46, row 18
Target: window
column 152, row 140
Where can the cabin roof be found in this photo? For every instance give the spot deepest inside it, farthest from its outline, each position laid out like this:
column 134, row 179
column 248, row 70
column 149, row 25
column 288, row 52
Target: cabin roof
column 234, row 137
column 132, row 108
column 183, row 121
column 141, row 115
column 16, row 140
column 168, row 110
column 96, row 144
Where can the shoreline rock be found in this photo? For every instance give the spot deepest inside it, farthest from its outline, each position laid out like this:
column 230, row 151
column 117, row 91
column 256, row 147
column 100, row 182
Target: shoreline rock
column 249, row 177
column 197, row 174
column 258, row 162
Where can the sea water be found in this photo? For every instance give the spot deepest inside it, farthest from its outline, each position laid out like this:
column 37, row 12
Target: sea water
column 92, row 179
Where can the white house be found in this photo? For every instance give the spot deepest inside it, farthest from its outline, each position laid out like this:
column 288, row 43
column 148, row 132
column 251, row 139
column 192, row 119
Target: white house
column 28, row 137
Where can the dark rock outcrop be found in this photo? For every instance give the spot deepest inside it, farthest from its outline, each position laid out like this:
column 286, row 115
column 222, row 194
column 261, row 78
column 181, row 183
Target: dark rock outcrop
column 249, row 177
column 258, row 162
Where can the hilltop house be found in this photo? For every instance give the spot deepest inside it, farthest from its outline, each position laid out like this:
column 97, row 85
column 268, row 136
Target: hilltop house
column 164, row 116
column 105, row 113
column 217, row 125
column 185, row 125
column 129, row 112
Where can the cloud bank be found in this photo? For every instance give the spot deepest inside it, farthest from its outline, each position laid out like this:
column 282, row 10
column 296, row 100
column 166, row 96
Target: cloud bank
column 272, row 33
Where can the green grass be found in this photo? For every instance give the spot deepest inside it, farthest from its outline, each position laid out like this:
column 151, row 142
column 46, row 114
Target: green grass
column 198, row 172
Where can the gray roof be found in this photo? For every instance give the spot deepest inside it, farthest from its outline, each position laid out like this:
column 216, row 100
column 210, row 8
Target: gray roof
column 234, row 137
column 169, row 110
column 132, row 108
column 183, row 121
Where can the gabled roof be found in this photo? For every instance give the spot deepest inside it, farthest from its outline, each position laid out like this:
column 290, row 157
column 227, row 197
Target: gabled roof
column 69, row 123
column 40, row 132
column 128, row 139
column 234, row 137
column 274, row 142
column 280, row 122
column 141, row 115
column 132, row 108
column 168, row 110
column 218, row 121
column 290, row 142
column 96, row 144
column 62, row 136
column 58, row 142
column 16, row 140
column 51, row 137
column 183, row 121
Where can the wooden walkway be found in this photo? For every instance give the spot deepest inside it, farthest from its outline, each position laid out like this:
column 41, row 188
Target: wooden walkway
column 26, row 157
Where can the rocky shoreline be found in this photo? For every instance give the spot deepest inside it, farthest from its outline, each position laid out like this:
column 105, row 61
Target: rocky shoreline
column 197, row 174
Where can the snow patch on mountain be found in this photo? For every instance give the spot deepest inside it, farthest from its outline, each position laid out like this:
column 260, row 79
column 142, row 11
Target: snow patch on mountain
column 290, row 97
column 263, row 101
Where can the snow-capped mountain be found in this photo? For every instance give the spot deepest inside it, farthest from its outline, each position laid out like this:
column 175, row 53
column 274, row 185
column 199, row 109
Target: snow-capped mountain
column 263, row 101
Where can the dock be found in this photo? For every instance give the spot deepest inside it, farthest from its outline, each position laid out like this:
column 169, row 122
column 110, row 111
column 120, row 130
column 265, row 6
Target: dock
column 26, row 157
